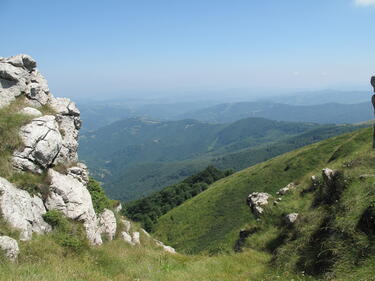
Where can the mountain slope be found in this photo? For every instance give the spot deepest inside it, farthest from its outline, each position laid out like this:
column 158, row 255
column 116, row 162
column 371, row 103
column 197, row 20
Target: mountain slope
column 211, row 221
column 322, row 113
column 157, row 153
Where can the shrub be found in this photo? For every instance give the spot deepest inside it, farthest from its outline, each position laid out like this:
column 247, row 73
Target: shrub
column 98, row 196
column 67, row 233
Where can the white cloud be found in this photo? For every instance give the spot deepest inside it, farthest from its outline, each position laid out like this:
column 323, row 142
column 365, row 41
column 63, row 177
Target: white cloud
column 365, row 2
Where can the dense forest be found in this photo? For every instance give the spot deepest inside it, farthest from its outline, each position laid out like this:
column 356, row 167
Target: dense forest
column 147, row 210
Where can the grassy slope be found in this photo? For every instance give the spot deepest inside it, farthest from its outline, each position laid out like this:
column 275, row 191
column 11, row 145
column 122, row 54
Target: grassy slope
column 211, row 221
column 43, row 260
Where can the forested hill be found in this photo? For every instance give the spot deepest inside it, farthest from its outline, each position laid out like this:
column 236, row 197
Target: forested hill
column 135, row 157
column 132, row 142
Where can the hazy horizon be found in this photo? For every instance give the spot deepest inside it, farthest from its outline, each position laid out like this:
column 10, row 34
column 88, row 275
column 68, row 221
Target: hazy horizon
column 147, row 49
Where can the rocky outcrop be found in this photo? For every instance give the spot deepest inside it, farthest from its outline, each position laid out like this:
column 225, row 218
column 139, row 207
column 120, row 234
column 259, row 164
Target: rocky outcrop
column 286, row 189
column 10, row 247
column 168, row 249
column 70, row 196
column 107, row 224
column 42, row 143
column 127, row 238
column 291, row 218
column 136, row 237
column 256, row 201
column 18, row 76
column 328, row 175
column 22, row 211
column 69, row 124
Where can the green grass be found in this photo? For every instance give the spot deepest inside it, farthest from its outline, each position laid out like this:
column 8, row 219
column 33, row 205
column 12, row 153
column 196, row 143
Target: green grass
column 211, row 221
column 44, row 259
column 333, row 238
column 10, row 123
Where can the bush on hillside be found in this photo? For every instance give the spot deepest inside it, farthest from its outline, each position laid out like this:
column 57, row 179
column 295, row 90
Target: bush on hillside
column 98, row 196
column 66, row 232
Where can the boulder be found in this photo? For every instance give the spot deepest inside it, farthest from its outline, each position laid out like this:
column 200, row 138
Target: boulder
column 10, row 247
column 107, row 224
column 136, row 237
column 22, row 211
column 64, row 106
column 127, row 238
column 291, row 218
column 286, row 189
column 256, row 200
column 31, row 112
column 328, row 175
column 71, row 197
column 168, row 249
column 42, row 143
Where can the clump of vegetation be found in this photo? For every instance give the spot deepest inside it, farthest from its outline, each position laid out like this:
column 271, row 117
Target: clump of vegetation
column 98, row 196
column 10, row 123
column 150, row 208
column 66, row 232
column 34, row 184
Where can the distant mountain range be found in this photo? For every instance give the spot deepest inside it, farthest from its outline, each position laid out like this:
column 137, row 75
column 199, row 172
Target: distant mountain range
column 328, row 106
column 322, row 113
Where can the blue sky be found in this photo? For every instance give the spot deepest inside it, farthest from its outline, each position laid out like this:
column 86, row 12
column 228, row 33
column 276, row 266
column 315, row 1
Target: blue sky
column 93, row 48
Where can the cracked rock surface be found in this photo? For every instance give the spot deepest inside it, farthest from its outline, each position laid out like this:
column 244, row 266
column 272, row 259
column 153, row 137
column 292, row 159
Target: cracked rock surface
column 22, row 211
column 10, row 248
column 70, row 196
column 42, row 144
column 18, row 76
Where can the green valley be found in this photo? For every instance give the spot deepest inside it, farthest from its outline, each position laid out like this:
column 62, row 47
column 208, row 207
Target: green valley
column 135, row 157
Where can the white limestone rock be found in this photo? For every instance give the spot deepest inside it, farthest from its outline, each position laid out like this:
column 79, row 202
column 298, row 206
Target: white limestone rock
column 31, row 112
column 69, row 123
column 286, row 189
column 127, row 238
column 10, row 248
column 22, row 211
column 328, row 175
column 107, row 224
column 71, row 197
column 291, row 218
column 145, row 233
column 13, row 82
column 38, row 92
column 18, row 76
column 80, row 172
column 256, row 201
column 42, row 143
column 168, row 249
column 136, row 237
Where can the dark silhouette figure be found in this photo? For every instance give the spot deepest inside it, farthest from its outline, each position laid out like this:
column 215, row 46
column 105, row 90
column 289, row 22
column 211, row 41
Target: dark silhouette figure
column 373, row 103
